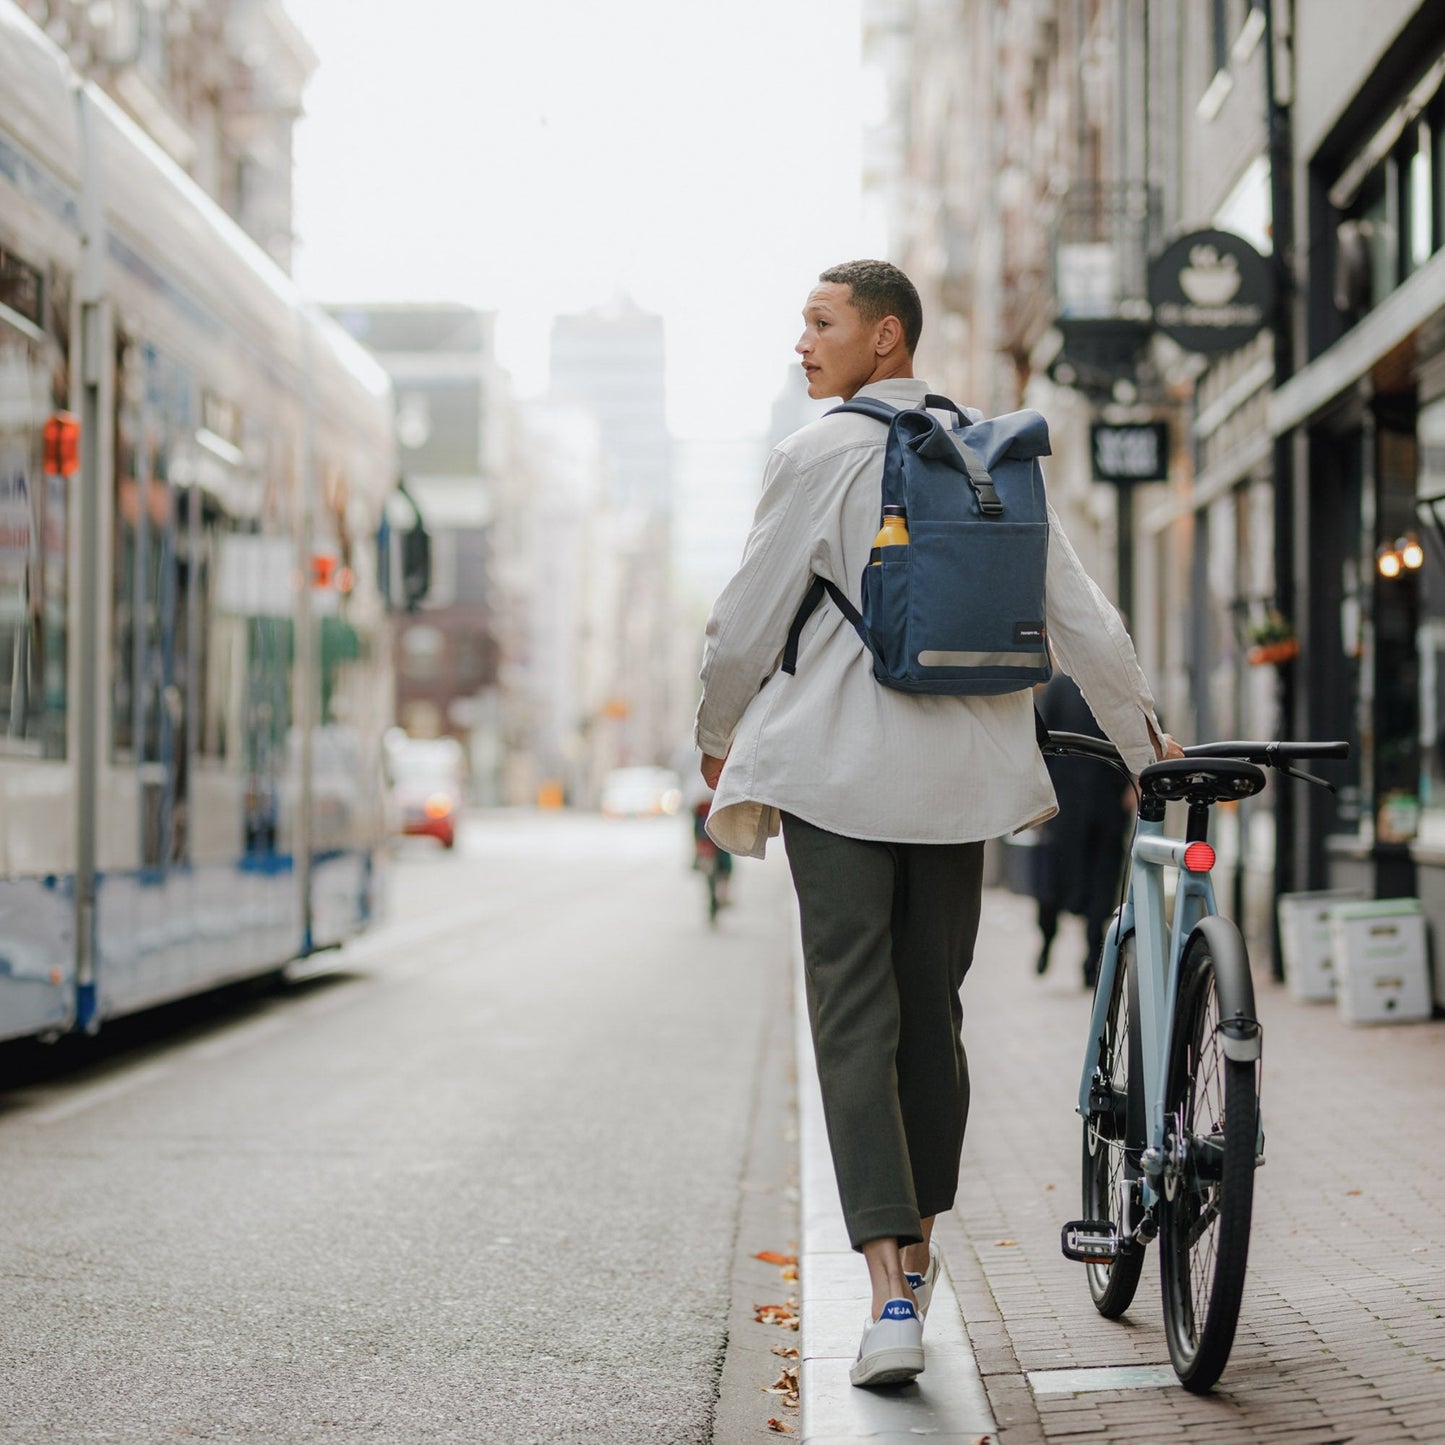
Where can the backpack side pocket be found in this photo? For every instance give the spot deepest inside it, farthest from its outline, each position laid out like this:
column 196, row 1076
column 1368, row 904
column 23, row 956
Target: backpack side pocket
column 885, row 611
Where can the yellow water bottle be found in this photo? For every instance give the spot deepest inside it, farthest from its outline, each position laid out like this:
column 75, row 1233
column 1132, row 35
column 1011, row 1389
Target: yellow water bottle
column 893, row 534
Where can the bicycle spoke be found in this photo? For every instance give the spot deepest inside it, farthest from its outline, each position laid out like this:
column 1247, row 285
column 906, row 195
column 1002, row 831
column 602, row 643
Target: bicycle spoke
column 1107, row 1142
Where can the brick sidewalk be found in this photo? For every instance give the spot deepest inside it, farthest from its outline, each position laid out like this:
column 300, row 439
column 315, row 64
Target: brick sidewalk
column 1342, row 1333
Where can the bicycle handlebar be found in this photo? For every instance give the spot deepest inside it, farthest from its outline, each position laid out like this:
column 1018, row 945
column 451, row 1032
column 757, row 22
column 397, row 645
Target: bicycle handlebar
column 1269, row 753
column 1274, row 755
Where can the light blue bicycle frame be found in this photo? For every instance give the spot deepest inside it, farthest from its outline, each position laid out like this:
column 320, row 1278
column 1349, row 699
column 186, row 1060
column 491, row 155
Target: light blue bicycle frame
column 1155, row 942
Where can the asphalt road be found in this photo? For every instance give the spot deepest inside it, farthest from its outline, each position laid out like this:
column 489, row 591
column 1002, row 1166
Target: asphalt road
column 479, row 1180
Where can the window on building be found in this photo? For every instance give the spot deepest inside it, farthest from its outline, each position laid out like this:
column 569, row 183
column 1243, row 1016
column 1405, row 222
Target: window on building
column 1219, row 34
column 1389, row 213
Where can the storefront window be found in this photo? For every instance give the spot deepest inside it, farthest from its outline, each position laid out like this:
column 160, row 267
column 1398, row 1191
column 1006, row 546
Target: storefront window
column 1430, row 429
column 1396, row 627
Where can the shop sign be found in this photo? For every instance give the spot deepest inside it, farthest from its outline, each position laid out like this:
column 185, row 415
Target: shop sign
column 1130, row 451
column 1211, row 291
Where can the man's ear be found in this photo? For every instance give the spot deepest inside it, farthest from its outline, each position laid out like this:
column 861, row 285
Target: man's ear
column 890, row 335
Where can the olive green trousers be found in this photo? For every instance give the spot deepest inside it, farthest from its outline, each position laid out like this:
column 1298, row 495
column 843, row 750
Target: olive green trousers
column 888, row 935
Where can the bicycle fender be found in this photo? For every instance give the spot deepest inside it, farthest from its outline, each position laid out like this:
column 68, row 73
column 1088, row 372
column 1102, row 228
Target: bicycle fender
column 1238, row 1023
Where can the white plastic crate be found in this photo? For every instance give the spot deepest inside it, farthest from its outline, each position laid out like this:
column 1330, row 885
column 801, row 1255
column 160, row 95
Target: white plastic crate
column 1307, row 943
column 1382, row 971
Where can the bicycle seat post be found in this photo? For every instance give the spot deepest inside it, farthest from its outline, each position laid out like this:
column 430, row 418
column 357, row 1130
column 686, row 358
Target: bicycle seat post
column 1197, row 830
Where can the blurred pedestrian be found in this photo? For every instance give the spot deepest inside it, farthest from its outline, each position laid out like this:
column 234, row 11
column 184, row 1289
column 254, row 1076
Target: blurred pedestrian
column 884, row 798
column 1080, row 855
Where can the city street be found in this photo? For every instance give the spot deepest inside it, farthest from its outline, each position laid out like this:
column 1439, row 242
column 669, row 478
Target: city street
column 477, row 1178
column 497, row 1173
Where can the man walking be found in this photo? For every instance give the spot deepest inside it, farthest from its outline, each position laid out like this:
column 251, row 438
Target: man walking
column 884, row 798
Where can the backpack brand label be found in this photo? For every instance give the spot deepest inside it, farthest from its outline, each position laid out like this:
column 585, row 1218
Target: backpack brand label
column 1028, row 634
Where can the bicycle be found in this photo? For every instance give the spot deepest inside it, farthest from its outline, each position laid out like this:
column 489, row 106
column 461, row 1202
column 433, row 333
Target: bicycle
column 1172, row 1130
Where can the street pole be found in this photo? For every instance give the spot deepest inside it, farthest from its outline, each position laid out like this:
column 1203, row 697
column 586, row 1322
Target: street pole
column 1125, row 550
column 1281, row 196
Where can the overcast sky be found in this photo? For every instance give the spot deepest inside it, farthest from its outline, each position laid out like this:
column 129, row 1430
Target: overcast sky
column 539, row 157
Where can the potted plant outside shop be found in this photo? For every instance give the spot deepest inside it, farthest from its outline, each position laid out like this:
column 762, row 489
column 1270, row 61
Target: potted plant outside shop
column 1272, row 640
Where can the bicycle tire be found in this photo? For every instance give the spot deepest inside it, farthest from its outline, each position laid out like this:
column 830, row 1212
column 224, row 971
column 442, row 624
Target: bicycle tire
column 712, row 896
column 1113, row 1140
column 1204, row 1220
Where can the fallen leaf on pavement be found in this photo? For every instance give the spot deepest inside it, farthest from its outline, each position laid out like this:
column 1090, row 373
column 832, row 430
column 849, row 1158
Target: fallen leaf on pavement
column 1353, row 1192
column 788, row 1352
column 785, row 1384
column 1005, row 1243
column 790, row 1273
column 780, row 1426
column 771, row 1256
column 785, row 1315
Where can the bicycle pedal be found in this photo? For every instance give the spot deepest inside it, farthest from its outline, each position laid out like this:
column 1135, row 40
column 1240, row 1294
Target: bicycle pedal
column 1090, row 1241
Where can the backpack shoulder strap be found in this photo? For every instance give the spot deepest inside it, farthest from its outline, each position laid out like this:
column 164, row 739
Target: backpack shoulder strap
column 867, row 406
column 807, row 607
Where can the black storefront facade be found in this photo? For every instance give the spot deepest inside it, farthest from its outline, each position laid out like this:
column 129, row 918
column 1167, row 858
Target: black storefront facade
column 1363, row 419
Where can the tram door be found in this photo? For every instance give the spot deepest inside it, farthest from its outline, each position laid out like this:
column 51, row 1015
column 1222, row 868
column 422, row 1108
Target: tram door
column 154, row 608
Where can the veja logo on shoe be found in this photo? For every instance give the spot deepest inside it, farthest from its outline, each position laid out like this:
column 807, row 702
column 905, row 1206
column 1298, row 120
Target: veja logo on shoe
column 915, row 1281
column 898, row 1309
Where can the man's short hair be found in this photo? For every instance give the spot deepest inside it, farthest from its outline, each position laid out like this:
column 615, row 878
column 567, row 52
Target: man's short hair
column 880, row 289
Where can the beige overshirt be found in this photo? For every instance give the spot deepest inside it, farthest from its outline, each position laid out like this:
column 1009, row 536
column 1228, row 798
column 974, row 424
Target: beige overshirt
column 833, row 746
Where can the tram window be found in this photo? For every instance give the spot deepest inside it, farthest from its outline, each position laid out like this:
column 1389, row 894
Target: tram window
column 155, row 405
column 34, row 527
column 21, row 287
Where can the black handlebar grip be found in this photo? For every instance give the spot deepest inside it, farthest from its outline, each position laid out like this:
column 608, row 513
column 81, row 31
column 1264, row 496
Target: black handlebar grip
column 1256, row 752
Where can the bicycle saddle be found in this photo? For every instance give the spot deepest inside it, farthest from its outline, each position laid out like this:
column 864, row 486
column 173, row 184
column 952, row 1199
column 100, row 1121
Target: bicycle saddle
column 1201, row 780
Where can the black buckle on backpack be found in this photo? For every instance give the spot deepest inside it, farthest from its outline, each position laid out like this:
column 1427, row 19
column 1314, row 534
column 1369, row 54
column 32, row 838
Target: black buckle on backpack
column 979, row 479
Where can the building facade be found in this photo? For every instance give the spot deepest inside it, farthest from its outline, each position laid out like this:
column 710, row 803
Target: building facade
column 610, row 362
column 1042, row 163
column 453, row 420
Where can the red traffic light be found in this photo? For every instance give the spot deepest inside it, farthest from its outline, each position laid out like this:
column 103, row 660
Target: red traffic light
column 62, row 444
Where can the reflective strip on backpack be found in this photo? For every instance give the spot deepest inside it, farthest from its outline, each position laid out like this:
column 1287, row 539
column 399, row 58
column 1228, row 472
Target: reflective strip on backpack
column 932, row 658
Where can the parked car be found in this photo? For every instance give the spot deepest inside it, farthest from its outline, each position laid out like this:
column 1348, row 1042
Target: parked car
column 641, row 793
column 428, row 786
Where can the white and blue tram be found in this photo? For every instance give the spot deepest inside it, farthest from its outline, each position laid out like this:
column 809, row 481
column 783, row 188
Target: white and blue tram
column 194, row 667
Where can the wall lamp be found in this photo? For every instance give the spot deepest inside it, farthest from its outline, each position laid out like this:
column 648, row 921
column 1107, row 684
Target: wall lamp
column 1404, row 554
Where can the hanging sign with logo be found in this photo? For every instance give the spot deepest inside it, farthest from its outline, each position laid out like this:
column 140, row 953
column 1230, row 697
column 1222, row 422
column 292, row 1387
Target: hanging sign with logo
column 1130, row 451
column 1211, row 291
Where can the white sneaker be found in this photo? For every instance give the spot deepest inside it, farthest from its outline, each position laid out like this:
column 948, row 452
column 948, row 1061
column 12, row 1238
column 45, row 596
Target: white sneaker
column 892, row 1349
column 922, row 1284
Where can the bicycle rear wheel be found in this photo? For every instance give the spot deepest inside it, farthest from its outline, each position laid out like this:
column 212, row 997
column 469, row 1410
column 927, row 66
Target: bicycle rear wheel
column 1211, row 1111
column 1113, row 1137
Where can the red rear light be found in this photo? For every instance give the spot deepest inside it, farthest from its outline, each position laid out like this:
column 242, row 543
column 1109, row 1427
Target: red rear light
column 438, row 806
column 1199, row 857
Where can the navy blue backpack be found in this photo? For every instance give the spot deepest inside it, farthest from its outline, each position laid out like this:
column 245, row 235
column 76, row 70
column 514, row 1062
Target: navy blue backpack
column 960, row 609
